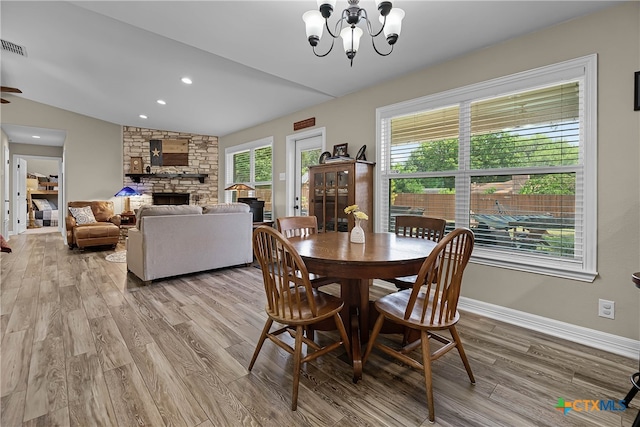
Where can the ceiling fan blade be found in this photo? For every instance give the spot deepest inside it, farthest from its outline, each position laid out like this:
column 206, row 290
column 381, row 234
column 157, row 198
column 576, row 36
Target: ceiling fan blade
column 10, row 89
column 4, row 101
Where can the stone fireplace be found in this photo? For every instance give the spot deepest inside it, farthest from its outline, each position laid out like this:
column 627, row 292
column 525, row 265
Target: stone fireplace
column 195, row 183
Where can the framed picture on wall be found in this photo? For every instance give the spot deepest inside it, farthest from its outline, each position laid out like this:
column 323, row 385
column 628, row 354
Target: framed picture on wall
column 136, row 165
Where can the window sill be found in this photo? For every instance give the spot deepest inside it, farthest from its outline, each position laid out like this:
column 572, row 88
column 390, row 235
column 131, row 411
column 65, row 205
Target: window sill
column 547, row 267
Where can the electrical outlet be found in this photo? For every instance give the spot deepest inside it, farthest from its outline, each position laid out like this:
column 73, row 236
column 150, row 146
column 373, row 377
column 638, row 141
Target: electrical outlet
column 606, row 308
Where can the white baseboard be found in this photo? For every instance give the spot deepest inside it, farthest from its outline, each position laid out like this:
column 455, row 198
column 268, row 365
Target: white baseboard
column 590, row 337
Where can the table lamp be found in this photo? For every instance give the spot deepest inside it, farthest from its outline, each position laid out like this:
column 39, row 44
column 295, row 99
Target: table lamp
column 239, row 187
column 126, row 192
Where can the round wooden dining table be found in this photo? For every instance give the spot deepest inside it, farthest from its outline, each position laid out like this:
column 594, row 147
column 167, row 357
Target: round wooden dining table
column 382, row 256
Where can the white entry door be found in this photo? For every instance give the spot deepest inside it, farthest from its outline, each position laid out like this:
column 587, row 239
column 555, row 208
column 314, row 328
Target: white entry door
column 20, row 188
column 307, row 153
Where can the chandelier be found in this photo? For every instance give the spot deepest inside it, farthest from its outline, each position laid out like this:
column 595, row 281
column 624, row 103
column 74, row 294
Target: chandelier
column 315, row 20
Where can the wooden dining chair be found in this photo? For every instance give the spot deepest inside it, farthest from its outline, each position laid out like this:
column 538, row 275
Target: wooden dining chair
column 421, row 227
column 292, row 302
column 428, row 307
column 292, row 226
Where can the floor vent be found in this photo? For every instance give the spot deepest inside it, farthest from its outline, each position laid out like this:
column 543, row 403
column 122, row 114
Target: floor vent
column 14, row 48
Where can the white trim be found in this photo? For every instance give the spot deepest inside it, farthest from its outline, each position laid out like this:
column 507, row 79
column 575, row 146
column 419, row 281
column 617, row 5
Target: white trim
column 251, row 147
column 590, row 337
column 291, row 161
column 583, row 69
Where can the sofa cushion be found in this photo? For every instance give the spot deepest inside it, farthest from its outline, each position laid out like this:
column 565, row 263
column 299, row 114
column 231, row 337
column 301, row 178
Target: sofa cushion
column 162, row 210
column 83, row 215
column 226, row 208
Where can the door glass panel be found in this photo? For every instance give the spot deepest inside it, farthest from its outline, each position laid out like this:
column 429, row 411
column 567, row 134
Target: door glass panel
column 307, row 158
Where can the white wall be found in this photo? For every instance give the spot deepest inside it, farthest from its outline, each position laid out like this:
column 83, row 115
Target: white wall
column 613, row 34
column 92, row 153
column 42, row 166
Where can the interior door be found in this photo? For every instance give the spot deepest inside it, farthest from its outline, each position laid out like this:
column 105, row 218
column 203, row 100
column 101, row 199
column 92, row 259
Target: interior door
column 6, row 205
column 20, row 183
column 308, row 152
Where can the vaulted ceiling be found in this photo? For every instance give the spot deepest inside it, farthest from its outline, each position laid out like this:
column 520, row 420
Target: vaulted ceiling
column 249, row 61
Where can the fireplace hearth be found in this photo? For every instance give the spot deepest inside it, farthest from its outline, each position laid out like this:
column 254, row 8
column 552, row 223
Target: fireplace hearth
column 170, row 198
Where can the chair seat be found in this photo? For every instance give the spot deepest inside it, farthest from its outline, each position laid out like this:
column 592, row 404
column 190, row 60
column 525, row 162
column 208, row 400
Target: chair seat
column 394, row 305
column 326, row 305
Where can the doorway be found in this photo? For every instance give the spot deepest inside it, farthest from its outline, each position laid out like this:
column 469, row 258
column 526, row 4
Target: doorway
column 303, row 150
column 47, row 167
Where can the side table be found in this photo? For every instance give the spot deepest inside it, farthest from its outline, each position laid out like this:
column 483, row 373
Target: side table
column 124, row 231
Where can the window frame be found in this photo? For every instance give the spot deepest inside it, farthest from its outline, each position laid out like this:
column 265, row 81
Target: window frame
column 583, row 69
column 251, row 147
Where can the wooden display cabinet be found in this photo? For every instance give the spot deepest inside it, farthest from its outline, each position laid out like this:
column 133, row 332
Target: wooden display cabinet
column 334, row 186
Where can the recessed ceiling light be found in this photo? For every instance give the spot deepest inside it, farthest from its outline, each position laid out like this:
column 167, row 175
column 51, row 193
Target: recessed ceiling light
column 161, row 102
column 186, row 80
column 35, row 136
column 142, row 116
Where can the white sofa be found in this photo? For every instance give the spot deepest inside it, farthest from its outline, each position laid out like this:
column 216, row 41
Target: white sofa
column 174, row 240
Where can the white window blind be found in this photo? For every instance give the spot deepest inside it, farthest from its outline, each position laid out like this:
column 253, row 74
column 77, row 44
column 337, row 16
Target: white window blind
column 511, row 158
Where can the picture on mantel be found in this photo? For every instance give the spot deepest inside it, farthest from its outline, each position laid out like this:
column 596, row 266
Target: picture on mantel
column 169, row 152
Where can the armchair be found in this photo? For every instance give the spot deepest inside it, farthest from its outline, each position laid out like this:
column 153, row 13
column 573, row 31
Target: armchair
column 104, row 231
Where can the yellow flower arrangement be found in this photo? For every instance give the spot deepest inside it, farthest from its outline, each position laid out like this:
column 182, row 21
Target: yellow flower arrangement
column 355, row 210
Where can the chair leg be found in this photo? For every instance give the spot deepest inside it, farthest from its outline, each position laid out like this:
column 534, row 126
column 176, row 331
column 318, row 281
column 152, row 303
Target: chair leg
column 372, row 337
column 426, row 362
column 310, row 332
column 463, row 355
column 297, row 356
column 263, row 336
column 343, row 334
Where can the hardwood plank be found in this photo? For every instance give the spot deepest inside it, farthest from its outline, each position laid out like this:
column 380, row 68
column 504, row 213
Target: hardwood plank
column 113, row 298
column 47, row 386
column 95, row 306
column 12, row 406
column 77, row 333
column 23, row 314
column 221, row 333
column 7, row 300
column 14, row 364
column 70, row 299
column 175, row 402
column 215, row 358
column 48, row 321
column 48, row 291
column 132, row 329
column 131, row 400
column 58, row 418
column 89, row 400
column 109, row 343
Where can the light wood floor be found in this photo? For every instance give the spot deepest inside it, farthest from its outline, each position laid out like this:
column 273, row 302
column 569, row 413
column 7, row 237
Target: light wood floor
column 83, row 344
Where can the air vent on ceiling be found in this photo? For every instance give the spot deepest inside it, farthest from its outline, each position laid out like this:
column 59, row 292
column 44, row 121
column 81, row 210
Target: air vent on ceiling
column 14, row 48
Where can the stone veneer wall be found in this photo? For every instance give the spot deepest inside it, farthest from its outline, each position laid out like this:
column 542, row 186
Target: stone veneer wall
column 203, row 158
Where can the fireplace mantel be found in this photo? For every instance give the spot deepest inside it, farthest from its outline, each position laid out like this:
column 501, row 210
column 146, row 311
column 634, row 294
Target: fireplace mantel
column 135, row 177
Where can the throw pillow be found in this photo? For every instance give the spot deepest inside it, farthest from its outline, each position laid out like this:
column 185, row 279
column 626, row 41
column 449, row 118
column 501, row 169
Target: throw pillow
column 83, row 215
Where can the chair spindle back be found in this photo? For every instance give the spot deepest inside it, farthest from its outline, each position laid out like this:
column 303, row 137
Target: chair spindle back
column 441, row 276
column 285, row 276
